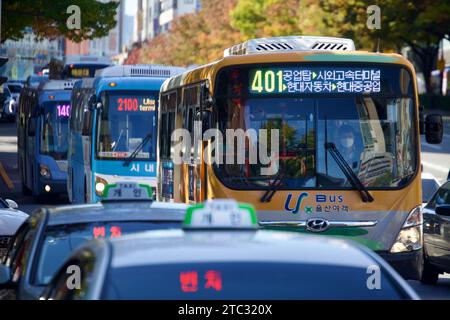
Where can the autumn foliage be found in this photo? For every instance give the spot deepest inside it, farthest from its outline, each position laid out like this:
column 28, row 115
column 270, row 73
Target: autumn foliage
column 196, row 38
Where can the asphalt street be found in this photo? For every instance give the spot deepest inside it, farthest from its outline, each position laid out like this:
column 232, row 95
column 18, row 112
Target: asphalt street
column 435, row 160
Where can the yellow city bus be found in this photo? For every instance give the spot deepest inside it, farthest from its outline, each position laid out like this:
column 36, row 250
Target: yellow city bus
column 346, row 130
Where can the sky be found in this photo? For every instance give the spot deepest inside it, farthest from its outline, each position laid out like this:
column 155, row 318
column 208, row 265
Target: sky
column 130, row 7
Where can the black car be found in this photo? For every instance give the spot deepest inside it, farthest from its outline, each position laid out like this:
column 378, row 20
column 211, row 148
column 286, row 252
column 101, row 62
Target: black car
column 436, row 230
column 49, row 236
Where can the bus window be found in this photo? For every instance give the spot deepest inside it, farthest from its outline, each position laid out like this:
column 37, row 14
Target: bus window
column 372, row 135
column 54, row 133
column 294, row 120
column 125, row 121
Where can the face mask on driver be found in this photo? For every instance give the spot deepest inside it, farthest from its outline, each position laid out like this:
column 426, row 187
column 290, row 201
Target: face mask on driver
column 347, row 142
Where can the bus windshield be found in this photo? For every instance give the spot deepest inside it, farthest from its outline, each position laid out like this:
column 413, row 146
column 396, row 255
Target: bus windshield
column 372, row 128
column 124, row 122
column 54, row 132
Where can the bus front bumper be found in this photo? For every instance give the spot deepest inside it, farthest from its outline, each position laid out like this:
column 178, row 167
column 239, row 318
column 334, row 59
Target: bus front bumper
column 52, row 186
column 408, row 264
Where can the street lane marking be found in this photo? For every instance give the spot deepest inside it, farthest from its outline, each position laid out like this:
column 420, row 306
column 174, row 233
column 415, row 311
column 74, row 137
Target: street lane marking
column 435, row 167
column 6, row 178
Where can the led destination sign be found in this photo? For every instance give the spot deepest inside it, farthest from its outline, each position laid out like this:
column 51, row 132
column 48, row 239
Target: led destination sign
column 315, row 80
column 138, row 104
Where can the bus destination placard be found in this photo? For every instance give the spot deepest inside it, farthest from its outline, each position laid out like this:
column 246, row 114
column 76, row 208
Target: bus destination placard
column 314, row 80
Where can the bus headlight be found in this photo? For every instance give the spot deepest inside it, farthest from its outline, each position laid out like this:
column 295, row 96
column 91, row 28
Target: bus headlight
column 100, row 185
column 44, row 171
column 410, row 237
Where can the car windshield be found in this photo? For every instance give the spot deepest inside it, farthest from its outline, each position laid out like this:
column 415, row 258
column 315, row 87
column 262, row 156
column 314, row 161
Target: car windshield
column 429, row 187
column 61, row 240
column 54, row 129
column 242, row 280
column 373, row 132
column 124, row 123
column 441, row 197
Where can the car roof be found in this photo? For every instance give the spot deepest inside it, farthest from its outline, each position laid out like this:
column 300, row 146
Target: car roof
column 11, row 220
column 181, row 246
column 116, row 211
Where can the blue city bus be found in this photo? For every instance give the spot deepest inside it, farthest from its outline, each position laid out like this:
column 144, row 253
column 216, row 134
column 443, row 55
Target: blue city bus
column 113, row 129
column 43, row 118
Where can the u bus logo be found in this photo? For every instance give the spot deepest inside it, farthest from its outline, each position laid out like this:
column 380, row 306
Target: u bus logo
column 296, row 207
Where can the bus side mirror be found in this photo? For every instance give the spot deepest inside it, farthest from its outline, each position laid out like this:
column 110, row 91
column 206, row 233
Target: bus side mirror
column 92, row 102
column 421, row 120
column 32, row 127
column 86, row 129
column 205, row 118
column 434, row 129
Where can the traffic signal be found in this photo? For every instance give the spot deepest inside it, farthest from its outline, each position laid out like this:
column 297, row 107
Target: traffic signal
column 3, row 60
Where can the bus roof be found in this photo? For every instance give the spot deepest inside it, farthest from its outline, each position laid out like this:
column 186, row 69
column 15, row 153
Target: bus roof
column 209, row 71
column 84, row 83
column 127, row 83
column 291, row 44
column 140, row 70
column 54, row 95
column 86, row 59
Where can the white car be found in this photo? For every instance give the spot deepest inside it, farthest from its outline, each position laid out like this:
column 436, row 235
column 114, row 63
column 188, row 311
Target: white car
column 10, row 220
column 429, row 186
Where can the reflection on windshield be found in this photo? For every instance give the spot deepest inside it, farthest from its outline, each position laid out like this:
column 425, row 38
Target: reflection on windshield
column 60, row 241
column 124, row 123
column 374, row 136
column 54, row 133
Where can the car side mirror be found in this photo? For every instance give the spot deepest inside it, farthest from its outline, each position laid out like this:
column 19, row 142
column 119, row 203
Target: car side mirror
column 443, row 210
column 434, row 129
column 5, row 277
column 12, row 204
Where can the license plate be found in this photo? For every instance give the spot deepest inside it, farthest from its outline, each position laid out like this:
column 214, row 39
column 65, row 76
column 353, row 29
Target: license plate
column 127, row 191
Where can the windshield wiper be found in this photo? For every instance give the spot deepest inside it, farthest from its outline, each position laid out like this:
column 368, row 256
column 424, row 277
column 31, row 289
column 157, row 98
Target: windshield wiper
column 273, row 187
column 134, row 154
column 349, row 173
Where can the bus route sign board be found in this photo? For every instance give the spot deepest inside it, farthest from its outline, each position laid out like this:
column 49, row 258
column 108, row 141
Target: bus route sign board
column 314, row 80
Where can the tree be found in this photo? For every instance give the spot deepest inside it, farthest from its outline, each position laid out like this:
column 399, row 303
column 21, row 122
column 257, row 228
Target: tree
column 48, row 19
column 195, row 38
column 271, row 18
column 419, row 24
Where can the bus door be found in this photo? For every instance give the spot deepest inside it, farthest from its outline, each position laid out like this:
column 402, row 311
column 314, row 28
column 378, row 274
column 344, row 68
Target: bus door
column 31, row 131
column 192, row 167
column 86, row 137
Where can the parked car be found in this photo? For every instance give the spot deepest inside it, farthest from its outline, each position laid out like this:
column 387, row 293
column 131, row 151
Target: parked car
column 49, row 235
column 15, row 87
column 221, row 255
column 7, row 105
column 430, row 184
column 10, row 221
column 436, row 230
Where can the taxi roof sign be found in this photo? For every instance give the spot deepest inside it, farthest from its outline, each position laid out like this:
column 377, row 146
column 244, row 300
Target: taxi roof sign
column 221, row 214
column 127, row 191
